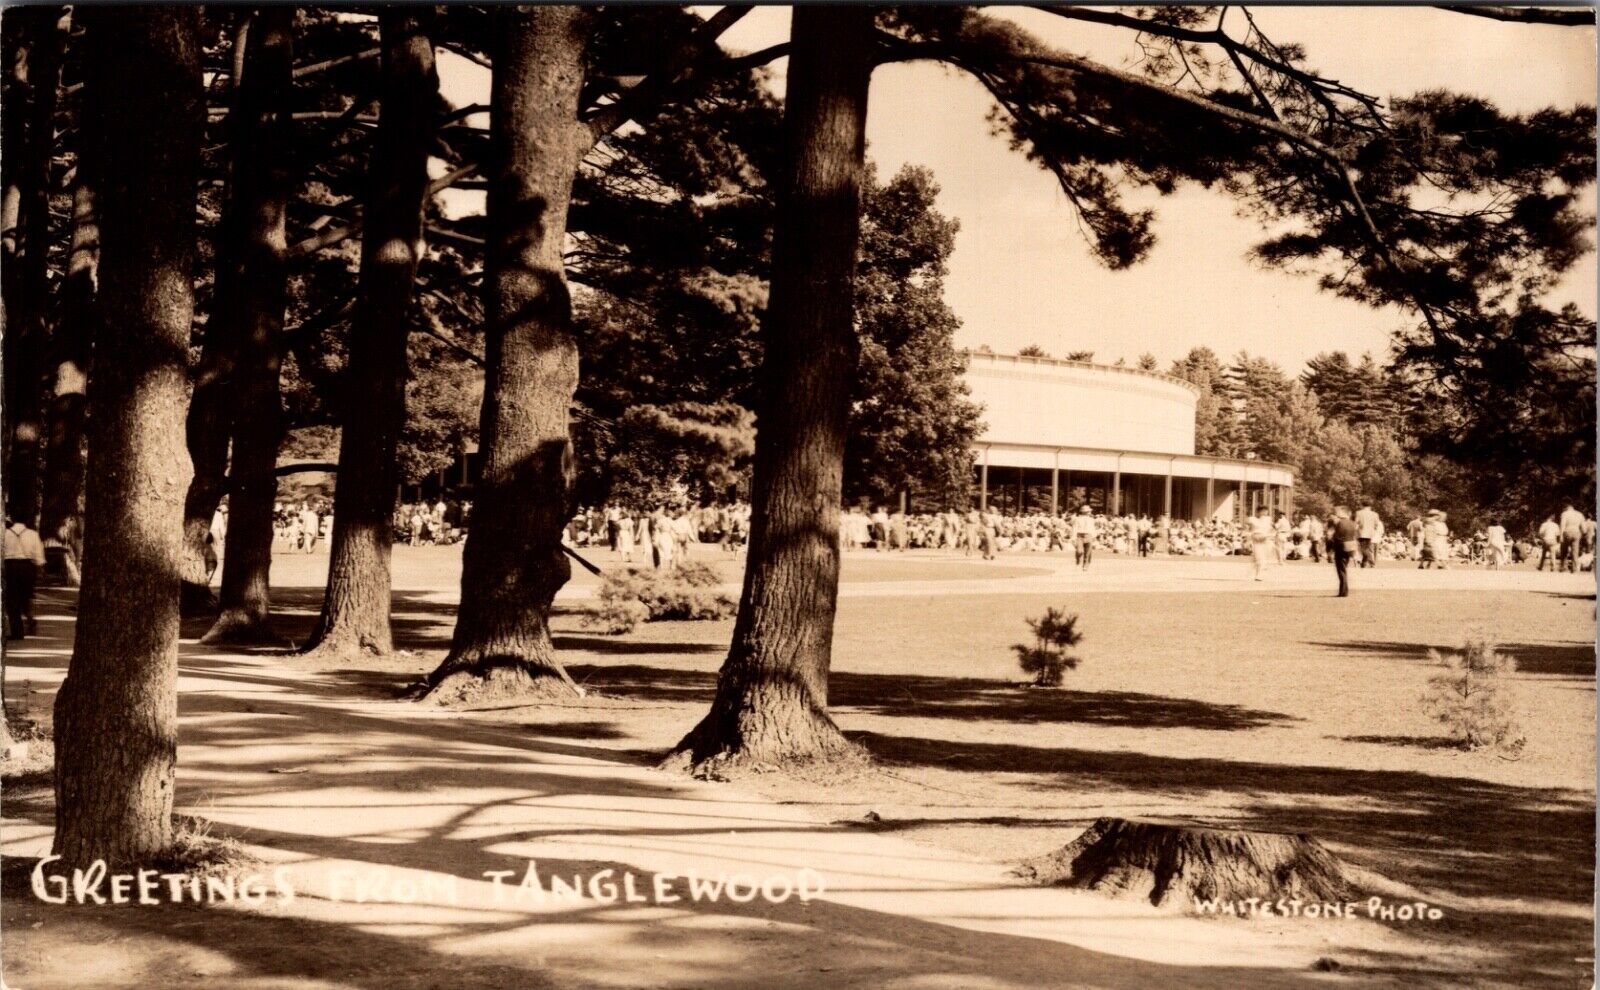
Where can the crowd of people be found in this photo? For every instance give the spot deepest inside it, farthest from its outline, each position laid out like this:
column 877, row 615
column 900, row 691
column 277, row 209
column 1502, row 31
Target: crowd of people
column 662, row 535
column 439, row 523
column 1566, row 540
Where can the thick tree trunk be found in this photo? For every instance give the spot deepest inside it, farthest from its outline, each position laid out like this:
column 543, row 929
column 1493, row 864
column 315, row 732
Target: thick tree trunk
column 34, row 71
column 116, row 713
column 61, row 521
column 1176, row 865
column 355, row 610
column 262, row 134
column 771, row 701
column 513, row 565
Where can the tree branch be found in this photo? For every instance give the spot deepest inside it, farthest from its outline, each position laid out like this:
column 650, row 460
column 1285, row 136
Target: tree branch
column 957, row 55
column 328, row 238
column 314, row 67
column 654, row 87
column 1568, row 17
column 1319, row 87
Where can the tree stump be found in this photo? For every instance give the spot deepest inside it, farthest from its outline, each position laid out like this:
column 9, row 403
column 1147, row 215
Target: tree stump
column 1176, row 865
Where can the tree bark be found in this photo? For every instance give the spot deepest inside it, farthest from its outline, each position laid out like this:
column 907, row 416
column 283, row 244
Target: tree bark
column 34, row 71
column 262, row 134
column 116, row 712
column 771, row 700
column 513, row 565
column 355, row 609
column 209, row 426
column 61, row 521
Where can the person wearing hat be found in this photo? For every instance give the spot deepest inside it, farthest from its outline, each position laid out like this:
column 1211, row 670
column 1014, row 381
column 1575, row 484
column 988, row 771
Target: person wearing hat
column 1343, row 542
column 1083, row 533
column 24, row 556
column 1435, row 541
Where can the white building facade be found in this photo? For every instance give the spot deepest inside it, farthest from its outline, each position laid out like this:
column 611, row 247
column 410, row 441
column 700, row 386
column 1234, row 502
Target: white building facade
column 1061, row 434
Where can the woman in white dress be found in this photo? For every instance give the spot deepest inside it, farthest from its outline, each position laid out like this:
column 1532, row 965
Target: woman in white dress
column 625, row 536
column 663, row 540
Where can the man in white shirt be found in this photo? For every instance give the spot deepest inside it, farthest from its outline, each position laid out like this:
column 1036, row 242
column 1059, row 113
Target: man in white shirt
column 1549, row 537
column 310, row 527
column 1083, row 534
column 1571, row 535
column 1499, row 545
column 1369, row 530
column 24, row 556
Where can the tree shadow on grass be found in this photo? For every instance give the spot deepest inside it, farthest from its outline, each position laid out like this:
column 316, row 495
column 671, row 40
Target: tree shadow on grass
column 977, row 699
column 957, row 698
column 1552, row 659
column 497, row 791
column 1415, row 742
column 1477, row 838
column 630, row 647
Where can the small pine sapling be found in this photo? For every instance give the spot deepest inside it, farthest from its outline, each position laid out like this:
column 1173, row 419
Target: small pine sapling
column 1471, row 697
column 1050, row 655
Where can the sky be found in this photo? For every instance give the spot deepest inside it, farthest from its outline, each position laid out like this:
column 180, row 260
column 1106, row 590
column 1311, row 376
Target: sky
column 1021, row 272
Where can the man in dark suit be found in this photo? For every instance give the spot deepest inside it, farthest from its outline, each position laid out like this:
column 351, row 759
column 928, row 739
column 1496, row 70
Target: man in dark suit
column 1343, row 536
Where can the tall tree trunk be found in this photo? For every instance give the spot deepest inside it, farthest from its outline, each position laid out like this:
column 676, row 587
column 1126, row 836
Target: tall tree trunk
column 355, row 610
column 208, row 428
column 61, row 521
column 513, row 565
column 34, row 70
column 116, row 713
column 772, row 693
column 261, row 135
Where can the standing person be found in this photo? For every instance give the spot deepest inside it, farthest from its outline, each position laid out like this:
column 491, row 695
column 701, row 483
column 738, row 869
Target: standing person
column 624, row 529
column 1261, row 542
column 1414, row 537
column 1586, row 544
column 1083, row 535
column 663, row 541
column 684, row 533
column 1549, row 539
column 986, row 535
column 880, row 529
column 24, row 557
column 310, row 527
column 899, row 536
column 1571, row 534
column 1343, row 543
column 1369, row 530
column 1280, row 538
column 1499, row 545
column 219, row 523
column 1316, row 534
column 1435, row 541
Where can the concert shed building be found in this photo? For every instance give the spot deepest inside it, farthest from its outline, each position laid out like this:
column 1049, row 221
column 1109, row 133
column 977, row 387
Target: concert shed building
column 1062, row 434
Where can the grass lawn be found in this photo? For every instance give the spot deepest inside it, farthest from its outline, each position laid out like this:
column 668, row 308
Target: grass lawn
column 1268, row 707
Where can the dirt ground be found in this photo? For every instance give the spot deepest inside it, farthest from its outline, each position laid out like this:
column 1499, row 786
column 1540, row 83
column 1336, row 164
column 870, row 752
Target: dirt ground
column 1201, row 697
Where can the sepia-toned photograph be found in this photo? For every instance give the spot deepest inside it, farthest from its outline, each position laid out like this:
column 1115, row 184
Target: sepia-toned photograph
column 755, row 497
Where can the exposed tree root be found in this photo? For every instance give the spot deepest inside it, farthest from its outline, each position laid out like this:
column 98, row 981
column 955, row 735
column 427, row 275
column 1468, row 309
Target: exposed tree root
column 1175, row 865
column 792, row 737
column 494, row 679
column 236, row 627
column 339, row 651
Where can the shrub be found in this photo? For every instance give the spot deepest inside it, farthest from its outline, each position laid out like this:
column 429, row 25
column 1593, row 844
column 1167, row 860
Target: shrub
column 636, row 595
column 1471, row 697
column 1054, row 635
